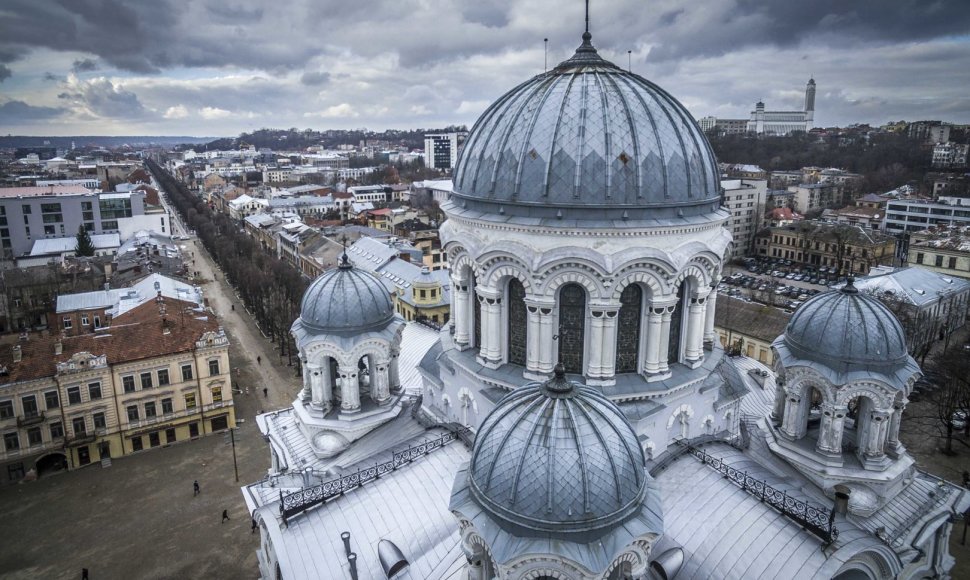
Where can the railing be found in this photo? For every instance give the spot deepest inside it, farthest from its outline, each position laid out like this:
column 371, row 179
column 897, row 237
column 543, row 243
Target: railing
column 817, row 520
column 81, row 439
column 300, row 501
column 30, row 419
column 425, row 321
column 934, row 498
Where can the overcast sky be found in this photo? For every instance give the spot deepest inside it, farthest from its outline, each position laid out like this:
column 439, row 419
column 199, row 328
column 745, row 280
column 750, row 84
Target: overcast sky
column 219, row 67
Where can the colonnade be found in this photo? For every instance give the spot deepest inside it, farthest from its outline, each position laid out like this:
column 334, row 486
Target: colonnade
column 319, row 382
column 601, row 334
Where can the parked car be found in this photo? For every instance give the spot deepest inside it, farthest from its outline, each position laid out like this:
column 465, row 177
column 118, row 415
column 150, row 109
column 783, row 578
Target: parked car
column 959, row 420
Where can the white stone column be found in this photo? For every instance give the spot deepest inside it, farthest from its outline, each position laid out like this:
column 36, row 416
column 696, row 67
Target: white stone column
column 790, row 425
column 830, row 429
column 381, row 385
column 460, row 313
column 665, row 319
column 709, row 334
column 778, row 412
column 491, row 312
column 349, row 389
column 694, row 345
column 608, row 361
column 393, row 372
column 893, row 444
column 654, row 338
column 547, row 357
column 305, row 393
column 875, row 442
column 532, row 349
column 326, row 375
column 316, row 390
column 594, row 367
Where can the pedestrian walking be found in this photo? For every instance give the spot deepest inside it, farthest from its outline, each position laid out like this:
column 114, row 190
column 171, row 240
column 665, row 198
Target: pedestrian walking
column 225, row 516
column 195, row 487
column 233, row 307
column 265, row 392
column 255, row 525
column 966, row 479
column 259, row 360
column 84, row 574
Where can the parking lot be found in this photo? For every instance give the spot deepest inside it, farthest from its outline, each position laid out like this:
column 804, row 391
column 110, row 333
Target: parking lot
column 776, row 283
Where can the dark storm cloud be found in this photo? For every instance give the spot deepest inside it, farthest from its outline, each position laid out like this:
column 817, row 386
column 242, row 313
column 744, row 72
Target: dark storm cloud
column 315, row 78
column 19, row 111
column 4, row 72
column 53, row 78
column 101, row 98
column 84, row 65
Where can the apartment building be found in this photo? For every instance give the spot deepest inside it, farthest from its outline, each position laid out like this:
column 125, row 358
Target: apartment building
column 943, row 250
column 745, row 199
column 851, row 249
column 917, row 214
column 159, row 374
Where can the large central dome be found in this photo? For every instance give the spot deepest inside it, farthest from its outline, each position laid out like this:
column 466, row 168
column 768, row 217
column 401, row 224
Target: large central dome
column 587, row 140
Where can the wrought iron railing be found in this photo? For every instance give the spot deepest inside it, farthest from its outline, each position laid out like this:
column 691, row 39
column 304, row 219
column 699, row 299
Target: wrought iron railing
column 300, row 501
column 938, row 495
column 815, row 519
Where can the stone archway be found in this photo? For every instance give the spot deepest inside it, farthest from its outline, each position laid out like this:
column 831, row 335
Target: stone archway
column 51, row 463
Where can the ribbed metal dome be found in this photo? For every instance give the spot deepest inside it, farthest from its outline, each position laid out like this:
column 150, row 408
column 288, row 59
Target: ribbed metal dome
column 848, row 327
column 558, row 457
column 345, row 299
column 587, row 140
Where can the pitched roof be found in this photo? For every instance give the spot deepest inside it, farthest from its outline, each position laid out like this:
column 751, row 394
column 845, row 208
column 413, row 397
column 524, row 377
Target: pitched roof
column 762, row 322
column 138, row 336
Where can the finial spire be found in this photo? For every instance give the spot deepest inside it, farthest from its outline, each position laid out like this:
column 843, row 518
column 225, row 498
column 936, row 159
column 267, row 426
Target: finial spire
column 559, row 384
column 344, row 259
column 587, row 16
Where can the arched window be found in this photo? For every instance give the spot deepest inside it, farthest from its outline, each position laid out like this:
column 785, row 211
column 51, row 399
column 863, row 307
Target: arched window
column 628, row 329
column 516, row 322
column 677, row 322
column 476, row 313
column 572, row 327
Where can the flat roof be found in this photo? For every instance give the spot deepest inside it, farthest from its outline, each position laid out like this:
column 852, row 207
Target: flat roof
column 44, row 191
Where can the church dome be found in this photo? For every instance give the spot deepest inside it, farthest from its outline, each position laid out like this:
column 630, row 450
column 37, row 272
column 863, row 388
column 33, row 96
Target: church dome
column 558, row 457
column 589, row 141
column 345, row 299
column 846, row 327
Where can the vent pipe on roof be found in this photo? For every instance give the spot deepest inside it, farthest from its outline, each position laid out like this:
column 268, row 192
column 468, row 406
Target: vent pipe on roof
column 17, row 353
column 352, row 560
column 345, row 536
column 58, row 348
column 391, row 558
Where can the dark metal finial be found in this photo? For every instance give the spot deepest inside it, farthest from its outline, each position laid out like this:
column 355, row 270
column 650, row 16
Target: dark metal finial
column 344, row 259
column 849, row 287
column 559, row 383
column 587, row 16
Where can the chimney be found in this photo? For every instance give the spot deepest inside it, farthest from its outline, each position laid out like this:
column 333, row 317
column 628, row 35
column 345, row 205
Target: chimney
column 842, row 502
column 17, row 353
column 345, row 536
column 352, row 560
column 58, row 348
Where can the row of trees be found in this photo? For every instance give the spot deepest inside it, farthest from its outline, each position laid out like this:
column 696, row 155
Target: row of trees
column 270, row 288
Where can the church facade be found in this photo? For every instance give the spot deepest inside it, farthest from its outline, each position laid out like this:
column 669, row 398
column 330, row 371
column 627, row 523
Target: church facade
column 577, row 419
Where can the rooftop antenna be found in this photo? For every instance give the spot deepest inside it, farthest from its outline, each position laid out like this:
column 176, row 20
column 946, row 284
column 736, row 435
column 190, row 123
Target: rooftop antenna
column 545, row 54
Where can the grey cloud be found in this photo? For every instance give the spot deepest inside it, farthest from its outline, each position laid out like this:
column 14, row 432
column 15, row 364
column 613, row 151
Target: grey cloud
column 84, row 65
column 315, row 78
column 53, row 78
column 102, row 98
column 5, row 72
column 19, row 111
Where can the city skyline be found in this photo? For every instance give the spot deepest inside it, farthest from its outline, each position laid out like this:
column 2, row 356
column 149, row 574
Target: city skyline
column 215, row 69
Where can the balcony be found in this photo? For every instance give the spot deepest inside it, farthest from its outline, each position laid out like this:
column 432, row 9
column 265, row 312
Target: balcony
column 83, row 438
column 28, row 419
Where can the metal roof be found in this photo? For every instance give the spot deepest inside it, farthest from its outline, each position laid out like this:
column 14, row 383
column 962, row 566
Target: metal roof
column 345, row 299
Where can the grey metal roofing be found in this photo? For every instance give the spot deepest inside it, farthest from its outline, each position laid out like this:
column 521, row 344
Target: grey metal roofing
column 345, row 299
column 588, row 140
column 917, row 286
column 50, row 246
column 557, row 457
column 846, row 328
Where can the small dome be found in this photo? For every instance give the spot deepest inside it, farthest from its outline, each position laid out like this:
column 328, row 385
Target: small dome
column 345, row 299
column 847, row 327
column 558, row 457
column 329, row 443
column 587, row 140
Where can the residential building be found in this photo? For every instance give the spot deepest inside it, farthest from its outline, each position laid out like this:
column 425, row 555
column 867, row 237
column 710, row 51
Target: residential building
column 57, row 250
column 745, row 199
column 930, row 131
column 28, row 214
column 950, row 155
column 718, row 126
column 917, row 214
column 816, row 196
column 856, row 215
column 441, row 151
column 246, row 205
column 304, row 205
column 748, row 328
column 943, row 250
column 851, row 249
column 154, row 377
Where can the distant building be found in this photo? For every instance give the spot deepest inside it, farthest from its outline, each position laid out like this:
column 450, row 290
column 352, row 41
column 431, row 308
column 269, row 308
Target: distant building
column 765, row 122
column 745, row 199
column 929, row 131
column 816, row 196
column 950, row 155
column 749, row 328
column 915, row 214
column 943, row 250
column 441, row 150
column 851, row 249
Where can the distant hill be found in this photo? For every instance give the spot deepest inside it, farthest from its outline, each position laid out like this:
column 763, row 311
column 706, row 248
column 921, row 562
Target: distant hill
column 134, row 141
column 283, row 139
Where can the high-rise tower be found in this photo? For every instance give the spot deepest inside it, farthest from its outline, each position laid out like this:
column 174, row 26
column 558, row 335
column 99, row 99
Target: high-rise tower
column 810, row 104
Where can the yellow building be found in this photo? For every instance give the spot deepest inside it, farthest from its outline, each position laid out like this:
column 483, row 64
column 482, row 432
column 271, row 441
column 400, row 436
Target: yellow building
column 427, row 298
column 156, row 376
column 943, row 250
column 749, row 328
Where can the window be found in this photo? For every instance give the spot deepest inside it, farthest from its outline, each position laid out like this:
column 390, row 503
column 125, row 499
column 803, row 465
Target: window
column 170, row 435
column 167, row 406
column 11, row 441
column 189, row 400
column 99, row 421
column 79, row 426
column 94, row 391
column 132, row 412
column 84, row 319
column 34, row 437
column 6, row 409
column 57, row 430
column 97, row 321
column 128, row 383
column 67, row 323
column 939, row 260
column 187, row 372
column 216, row 394
column 29, row 404
column 952, row 263
column 136, row 444
column 146, row 380
column 919, row 258
column 73, row 395
column 163, row 377
column 213, row 367
column 422, row 293
column 150, row 410
column 51, row 400
column 25, row 209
